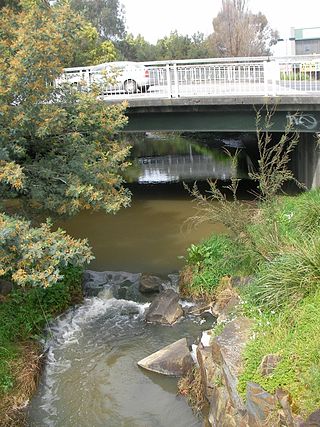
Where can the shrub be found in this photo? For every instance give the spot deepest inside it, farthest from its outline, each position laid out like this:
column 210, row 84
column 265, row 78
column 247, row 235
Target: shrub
column 26, row 311
column 36, row 256
column 209, row 262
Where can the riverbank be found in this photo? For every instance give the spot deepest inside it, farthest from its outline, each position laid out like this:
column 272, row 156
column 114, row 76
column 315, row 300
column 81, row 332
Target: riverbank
column 274, row 267
column 24, row 314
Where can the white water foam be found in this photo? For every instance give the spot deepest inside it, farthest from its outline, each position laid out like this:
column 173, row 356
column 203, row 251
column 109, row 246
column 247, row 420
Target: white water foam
column 67, row 330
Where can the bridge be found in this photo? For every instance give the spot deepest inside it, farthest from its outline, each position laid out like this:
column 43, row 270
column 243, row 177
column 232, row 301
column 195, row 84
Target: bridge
column 219, row 95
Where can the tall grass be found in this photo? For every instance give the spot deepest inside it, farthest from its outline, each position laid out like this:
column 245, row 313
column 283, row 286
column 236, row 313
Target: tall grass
column 289, row 277
column 287, row 236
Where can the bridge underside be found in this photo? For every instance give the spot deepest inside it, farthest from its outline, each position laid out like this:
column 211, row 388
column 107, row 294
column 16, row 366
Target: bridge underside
column 228, row 116
column 175, row 115
column 219, row 121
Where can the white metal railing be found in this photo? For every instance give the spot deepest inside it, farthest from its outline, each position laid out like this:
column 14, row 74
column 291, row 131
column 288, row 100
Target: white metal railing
column 264, row 76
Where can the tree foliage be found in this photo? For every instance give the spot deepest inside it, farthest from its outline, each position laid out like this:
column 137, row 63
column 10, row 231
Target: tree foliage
column 91, row 50
column 57, row 149
column 107, row 16
column 136, row 49
column 36, row 255
column 57, row 145
column 174, row 46
column 177, row 46
column 239, row 32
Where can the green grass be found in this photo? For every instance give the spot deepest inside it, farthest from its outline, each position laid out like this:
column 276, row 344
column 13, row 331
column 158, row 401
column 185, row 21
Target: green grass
column 289, row 277
column 8, row 352
column 25, row 313
column 287, row 235
column 211, row 260
column 294, row 335
column 281, row 252
column 284, row 298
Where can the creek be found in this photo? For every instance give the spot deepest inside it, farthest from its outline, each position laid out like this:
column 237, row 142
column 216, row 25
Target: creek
column 91, row 377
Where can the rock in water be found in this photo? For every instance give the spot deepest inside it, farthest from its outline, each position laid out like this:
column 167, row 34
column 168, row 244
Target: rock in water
column 174, row 360
column 165, row 308
column 149, row 283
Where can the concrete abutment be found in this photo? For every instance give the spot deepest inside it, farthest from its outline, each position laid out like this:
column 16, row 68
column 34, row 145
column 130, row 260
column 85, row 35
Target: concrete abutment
column 306, row 160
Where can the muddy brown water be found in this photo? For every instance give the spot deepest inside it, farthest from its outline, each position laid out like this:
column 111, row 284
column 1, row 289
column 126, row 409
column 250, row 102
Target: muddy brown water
column 91, row 377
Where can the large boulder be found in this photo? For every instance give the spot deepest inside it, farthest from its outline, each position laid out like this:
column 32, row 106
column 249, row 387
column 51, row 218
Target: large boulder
column 208, row 369
column 173, row 360
column 165, row 308
column 149, row 283
column 220, row 372
column 313, row 420
column 5, row 287
column 117, row 281
column 261, row 406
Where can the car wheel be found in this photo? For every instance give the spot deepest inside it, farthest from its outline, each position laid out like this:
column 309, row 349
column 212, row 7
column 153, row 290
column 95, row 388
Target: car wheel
column 130, row 86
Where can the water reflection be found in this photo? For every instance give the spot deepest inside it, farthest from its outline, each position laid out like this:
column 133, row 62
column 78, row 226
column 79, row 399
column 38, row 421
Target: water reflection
column 174, row 159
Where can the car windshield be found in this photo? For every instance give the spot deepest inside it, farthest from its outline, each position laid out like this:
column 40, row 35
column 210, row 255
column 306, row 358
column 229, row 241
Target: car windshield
column 115, row 65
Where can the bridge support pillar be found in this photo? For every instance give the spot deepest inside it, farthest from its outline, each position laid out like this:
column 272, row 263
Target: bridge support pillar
column 306, row 160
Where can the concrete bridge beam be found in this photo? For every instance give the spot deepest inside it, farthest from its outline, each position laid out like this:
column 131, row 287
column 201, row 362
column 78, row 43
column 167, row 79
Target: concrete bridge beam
column 306, row 160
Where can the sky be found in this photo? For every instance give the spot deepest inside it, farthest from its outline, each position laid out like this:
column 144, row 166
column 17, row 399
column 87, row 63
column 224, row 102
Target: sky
column 155, row 19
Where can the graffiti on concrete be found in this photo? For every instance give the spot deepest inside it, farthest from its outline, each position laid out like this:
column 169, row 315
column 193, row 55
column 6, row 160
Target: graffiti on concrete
column 302, row 120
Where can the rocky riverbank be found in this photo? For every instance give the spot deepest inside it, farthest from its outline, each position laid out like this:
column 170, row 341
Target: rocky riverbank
column 219, row 357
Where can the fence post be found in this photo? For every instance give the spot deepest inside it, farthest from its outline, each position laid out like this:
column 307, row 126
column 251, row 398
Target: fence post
column 169, row 83
column 271, row 77
column 275, row 76
column 265, row 77
column 176, row 81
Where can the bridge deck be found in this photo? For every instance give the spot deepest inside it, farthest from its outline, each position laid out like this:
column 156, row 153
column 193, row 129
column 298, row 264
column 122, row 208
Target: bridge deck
column 212, row 94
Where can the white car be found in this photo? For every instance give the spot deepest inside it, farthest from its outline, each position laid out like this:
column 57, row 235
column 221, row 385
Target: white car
column 125, row 76
column 129, row 77
column 114, row 77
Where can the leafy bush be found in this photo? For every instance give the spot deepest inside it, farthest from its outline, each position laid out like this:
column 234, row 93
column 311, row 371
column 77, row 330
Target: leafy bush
column 58, row 148
column 210, row 261
column 36, row 256
column 26, row 311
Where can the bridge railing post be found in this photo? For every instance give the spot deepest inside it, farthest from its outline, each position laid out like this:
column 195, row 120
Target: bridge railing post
column 271, row 77
column 275, row 77
column 176, row 80
column 266, row 77
column 169, row 82
column 88, row 78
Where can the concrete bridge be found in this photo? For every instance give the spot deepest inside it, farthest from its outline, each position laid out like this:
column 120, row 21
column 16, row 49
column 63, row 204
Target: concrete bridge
column 218, row 95
column 222, row 114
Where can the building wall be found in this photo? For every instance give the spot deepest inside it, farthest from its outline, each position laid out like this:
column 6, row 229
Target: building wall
column 307, row 47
